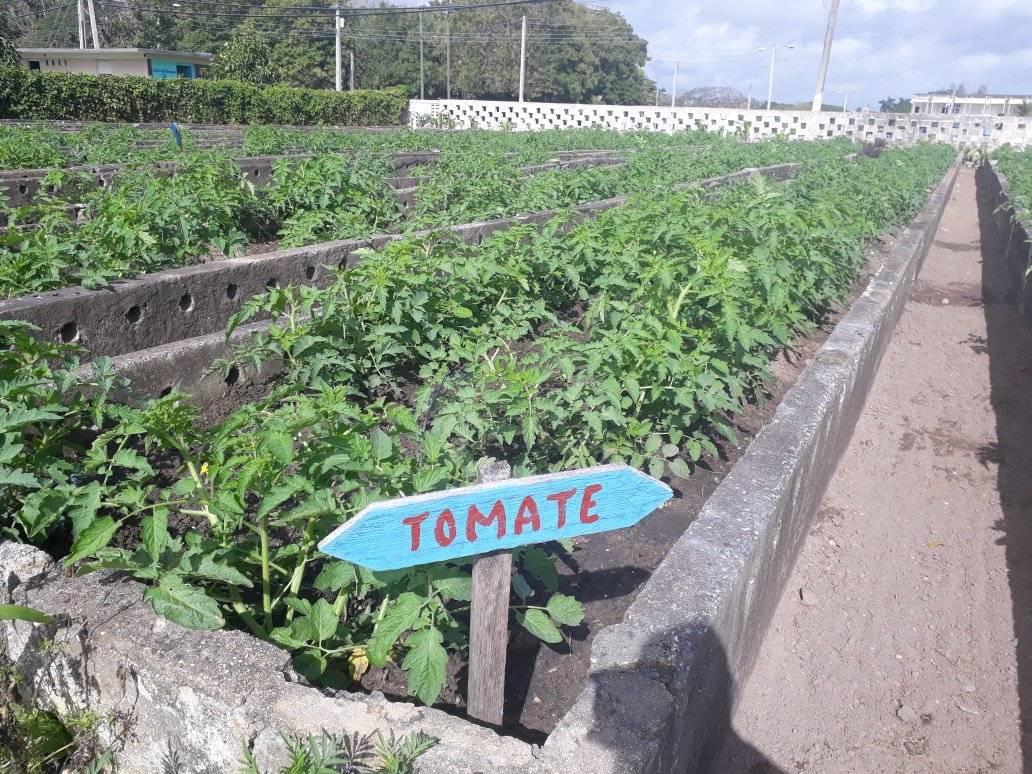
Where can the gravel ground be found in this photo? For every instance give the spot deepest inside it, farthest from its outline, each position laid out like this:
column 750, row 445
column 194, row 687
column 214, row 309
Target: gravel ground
column 901, row 643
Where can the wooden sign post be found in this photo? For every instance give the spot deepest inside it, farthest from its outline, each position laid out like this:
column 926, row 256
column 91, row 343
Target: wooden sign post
column 489, row 621
column 487, row 520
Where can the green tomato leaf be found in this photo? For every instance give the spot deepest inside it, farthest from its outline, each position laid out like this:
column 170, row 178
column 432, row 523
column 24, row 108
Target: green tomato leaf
column 399, row 618
column 154, row 529
column 22, row 613
column 336, row 575
column 425, row 664
column 323, row 620
column 184, row 604
column 452, row 583
column 92, row 539
column 311, row 664
column 542, row 566
column 540, row 625
column 680, row 468
column 565, row 609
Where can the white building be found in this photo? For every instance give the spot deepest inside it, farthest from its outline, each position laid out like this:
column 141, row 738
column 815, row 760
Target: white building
column 145, row 62
column 987, row 105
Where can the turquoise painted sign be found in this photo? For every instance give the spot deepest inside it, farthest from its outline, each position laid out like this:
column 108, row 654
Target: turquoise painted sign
column 165, row 70
column 478, row 519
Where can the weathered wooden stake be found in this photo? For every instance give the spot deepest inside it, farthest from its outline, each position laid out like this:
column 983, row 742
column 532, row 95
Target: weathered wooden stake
column 489, row 621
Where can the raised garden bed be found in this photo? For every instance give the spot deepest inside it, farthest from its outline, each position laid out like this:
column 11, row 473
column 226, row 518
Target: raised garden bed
column 658, row 680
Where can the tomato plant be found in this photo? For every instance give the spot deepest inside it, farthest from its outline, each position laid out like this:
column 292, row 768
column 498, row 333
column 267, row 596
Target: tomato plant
column 635, row 337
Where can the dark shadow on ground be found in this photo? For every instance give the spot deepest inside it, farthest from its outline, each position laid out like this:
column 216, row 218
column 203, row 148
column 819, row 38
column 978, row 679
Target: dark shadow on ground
column 1009, row 347
column 700, row 732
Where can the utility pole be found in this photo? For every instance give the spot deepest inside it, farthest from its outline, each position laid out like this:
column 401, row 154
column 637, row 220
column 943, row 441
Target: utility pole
column 93, row 24
column 351, row 72
column 673, row 93
column 523, row 57
column 770, row 80
column 447, row 50
column 81, row 24
column 422, row 90
column 822, row 71
column 340, row 78
column 657, row 95
column 748, row 98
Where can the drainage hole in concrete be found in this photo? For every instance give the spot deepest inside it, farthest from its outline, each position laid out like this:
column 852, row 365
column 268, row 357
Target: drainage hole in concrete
column 186, row 302
column 232, row 376
column 134, row 314
column 22, row 188
column 257, row 173
column 69, row 332
column 480, row 239
column 272, row 282
column 310, row 272
column 166, row 392
column 231, row 291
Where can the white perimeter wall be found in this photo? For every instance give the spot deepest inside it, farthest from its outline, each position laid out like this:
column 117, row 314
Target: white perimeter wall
column 892, row 127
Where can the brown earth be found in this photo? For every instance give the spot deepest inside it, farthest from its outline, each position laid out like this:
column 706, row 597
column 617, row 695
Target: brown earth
column 902, row 641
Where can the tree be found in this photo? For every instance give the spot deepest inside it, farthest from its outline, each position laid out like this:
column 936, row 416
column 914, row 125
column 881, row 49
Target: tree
column 8, row 51
column 897, row 105
column 713, row 96
column 245, row 57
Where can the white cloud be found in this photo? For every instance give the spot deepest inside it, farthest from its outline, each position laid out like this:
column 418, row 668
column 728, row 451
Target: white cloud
column 882, row 47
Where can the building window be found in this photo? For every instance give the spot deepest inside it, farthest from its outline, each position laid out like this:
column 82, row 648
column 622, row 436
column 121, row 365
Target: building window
column 184, row 71
column 917, row 108
column 34, row 64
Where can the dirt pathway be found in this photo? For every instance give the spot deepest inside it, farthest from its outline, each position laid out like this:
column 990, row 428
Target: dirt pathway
column 901, row 642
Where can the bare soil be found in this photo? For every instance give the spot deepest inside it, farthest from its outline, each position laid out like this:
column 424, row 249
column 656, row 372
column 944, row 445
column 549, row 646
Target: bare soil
column 902, row 641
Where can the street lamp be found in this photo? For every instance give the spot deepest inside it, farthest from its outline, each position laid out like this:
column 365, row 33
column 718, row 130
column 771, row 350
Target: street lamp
column 845, row 98
column 770, row 80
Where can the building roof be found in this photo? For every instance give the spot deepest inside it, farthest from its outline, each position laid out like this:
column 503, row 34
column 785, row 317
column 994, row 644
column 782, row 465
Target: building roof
column 927, row 94
column 114, row 53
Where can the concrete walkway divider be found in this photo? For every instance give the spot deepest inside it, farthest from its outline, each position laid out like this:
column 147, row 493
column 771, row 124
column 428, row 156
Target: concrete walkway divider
column 662, row 682
column 1016, row 224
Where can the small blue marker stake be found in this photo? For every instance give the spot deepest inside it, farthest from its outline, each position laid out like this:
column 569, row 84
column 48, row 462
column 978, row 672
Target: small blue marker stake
column 176, row 135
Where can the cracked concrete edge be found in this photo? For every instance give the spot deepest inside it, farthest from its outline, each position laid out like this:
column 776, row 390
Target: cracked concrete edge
column 691, row 637
column 177, row 304
column 1014, row 226
column 196, row 698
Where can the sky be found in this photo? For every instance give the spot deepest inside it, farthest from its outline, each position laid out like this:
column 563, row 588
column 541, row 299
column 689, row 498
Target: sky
column 882, row 47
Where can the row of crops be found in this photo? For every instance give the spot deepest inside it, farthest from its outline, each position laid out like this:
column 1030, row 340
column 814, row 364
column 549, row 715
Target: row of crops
column 1017, row 166
column 631, row 337
column 37, row 147
column 75, row 233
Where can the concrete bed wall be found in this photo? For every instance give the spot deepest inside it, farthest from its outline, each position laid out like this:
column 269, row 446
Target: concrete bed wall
column 755, row 124
column 662, row 683
column 1016, row 225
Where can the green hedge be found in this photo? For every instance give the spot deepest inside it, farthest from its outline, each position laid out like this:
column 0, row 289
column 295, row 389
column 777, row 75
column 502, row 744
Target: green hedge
column 70, row 96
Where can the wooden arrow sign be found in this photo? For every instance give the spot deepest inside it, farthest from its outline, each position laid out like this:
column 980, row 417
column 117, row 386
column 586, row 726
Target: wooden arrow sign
column 488, row 517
